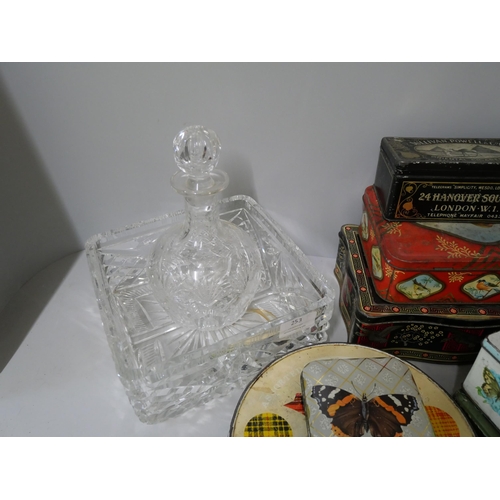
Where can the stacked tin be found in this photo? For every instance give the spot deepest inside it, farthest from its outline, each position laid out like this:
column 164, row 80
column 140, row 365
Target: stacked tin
column 479, row 395
column 420, row 273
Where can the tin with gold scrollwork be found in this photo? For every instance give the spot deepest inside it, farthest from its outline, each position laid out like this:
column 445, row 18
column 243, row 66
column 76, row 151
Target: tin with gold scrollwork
column 441, row 332
column 430, row 262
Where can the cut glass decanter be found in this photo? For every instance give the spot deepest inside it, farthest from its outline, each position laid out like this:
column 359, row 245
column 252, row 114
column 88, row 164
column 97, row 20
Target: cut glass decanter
column 178, row 340
column 205, row 271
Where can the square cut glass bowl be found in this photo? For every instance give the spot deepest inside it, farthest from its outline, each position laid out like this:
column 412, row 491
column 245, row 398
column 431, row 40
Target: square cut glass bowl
column 168, row 369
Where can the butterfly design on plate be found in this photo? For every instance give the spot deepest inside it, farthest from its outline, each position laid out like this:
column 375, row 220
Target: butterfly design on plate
column 381, row 416
column 490, row 387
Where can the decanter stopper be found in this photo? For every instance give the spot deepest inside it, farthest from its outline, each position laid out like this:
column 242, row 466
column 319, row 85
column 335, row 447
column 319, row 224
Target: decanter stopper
column 196, row 153
column 205, row 271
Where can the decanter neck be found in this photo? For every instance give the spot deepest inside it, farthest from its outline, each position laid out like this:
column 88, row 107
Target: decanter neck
column 202, row 212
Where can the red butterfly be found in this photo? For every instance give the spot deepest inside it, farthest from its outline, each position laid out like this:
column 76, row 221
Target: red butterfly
column 381, row 416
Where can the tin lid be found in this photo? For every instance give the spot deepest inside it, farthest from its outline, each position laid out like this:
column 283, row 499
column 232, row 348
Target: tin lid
column 475, row 158
column 434, row 245
column 372, row 309
column 271, row 405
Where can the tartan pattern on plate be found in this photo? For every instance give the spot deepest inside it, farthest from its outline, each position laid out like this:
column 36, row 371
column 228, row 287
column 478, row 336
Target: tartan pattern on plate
column 442, row 423
column 268, row 425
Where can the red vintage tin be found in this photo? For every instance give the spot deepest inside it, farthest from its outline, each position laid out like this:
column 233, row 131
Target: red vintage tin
column 452, row 180
column 429, row 262
column 446, row 333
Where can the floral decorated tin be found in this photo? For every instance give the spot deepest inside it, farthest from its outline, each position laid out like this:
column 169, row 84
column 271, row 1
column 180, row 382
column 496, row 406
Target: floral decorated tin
column 482, row 384
column 439, row 179
column 429, row 262
column 447, row 333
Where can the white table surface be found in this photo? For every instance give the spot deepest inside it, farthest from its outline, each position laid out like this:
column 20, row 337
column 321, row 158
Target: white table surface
column 61, row 381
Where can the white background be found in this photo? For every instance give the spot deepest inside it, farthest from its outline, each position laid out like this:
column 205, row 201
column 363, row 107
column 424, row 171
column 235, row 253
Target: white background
column 87, row 147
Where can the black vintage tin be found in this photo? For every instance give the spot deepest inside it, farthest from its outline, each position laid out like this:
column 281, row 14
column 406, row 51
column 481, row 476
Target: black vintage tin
column 448, row 333
column 439, row 179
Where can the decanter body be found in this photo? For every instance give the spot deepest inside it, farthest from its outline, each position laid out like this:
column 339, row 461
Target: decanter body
column 205, row 271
